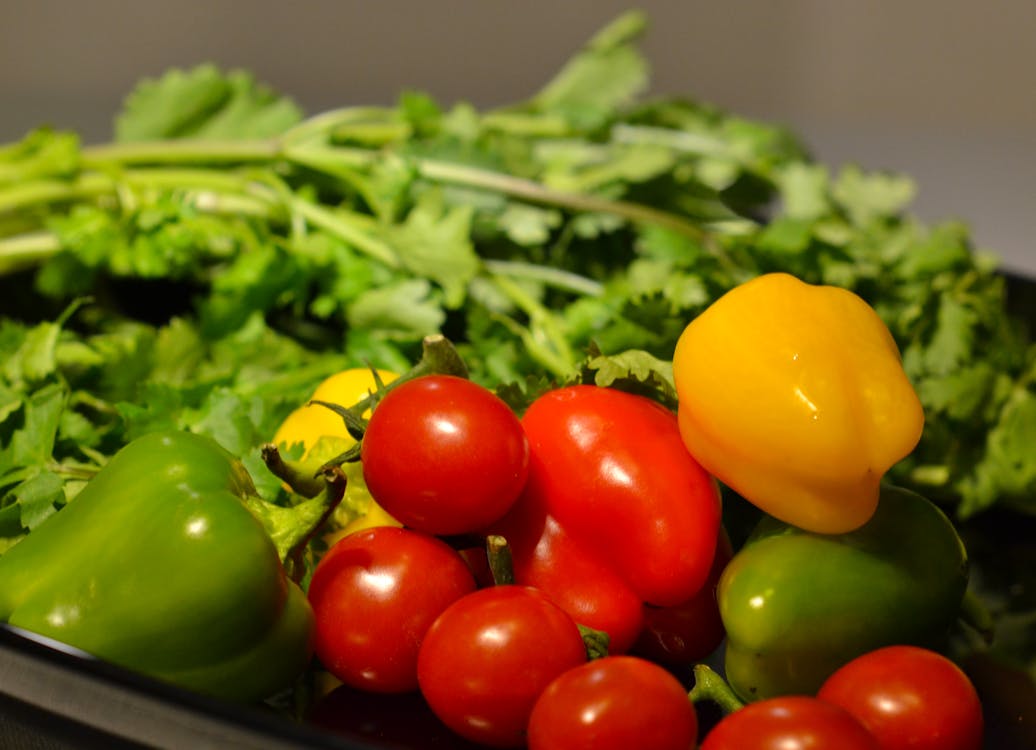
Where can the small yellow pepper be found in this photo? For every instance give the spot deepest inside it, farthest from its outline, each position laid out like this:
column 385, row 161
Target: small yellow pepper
column 324, row 436
column 794, row 395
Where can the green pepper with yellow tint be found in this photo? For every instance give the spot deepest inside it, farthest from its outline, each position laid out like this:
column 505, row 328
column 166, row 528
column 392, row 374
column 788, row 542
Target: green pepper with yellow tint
column 797, row 605
column 169, row 563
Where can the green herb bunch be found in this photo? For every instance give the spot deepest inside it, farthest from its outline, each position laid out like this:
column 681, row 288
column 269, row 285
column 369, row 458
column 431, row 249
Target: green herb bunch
column 224, row 253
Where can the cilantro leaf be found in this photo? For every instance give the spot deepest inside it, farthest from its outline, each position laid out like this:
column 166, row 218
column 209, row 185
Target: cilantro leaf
column 605, row 75
column 203, row 103
column 434, row 242
column 868, row 196
column 43, row 153
column 637, row 371
column 1008, row 469
column 39, row 498
column 403, row 310
column 33, row 442
column 236, row 267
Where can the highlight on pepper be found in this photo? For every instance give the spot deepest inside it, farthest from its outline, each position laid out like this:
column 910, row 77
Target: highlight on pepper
column 794, row 395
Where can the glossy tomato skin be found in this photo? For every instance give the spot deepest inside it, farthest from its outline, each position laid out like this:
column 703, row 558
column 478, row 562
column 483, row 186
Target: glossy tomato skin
column 909, row 697
column 614, row 703
column 794, row 722
column 374, row 595
column 681, row 635
column 487, row 658
column 612, row 487
column 444, row 455
column 618, row 478
column 583, row 583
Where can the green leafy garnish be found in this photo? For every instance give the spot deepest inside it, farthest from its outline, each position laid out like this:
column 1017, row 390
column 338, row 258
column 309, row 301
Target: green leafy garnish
column 224, row 253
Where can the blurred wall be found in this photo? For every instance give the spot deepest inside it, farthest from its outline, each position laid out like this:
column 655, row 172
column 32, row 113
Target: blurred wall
column 944, row 90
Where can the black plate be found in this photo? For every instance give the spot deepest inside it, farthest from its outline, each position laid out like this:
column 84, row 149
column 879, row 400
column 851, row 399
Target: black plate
column 52, row 695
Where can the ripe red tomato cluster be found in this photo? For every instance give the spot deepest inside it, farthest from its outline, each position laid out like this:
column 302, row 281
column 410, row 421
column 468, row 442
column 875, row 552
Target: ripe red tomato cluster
column 587, row 477
column 612, row 527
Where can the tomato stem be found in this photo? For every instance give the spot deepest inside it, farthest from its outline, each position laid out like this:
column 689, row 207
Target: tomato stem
column 501, row 564
column 301, row 479
column 597, row 642
column 709, row 686
column 354, row 423
column 292, row 528
column 438, row 357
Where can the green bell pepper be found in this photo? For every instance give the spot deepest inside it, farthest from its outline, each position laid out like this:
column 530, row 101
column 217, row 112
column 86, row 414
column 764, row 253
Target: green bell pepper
column 797, row 605
column 168, row 563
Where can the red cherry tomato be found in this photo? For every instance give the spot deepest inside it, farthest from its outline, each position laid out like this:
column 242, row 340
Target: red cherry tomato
column 374, row 595
column 684, row 634
column 614, row 703
column 909, row 697
column 487, row 658
column 444, row 455
column 790, row 723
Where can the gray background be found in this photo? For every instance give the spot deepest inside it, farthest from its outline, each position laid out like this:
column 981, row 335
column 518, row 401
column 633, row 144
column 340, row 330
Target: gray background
column 940, row 89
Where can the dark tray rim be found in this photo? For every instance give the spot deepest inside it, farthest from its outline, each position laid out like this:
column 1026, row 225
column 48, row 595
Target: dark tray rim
column 114, row 703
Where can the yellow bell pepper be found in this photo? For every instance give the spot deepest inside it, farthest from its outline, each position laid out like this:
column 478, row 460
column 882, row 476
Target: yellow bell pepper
column 323, row 435
column 794, row 395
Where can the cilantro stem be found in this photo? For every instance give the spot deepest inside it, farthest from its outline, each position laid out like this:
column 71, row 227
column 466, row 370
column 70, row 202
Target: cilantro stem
column 543, row 338
column 26, row 194
column 320, row 125
column 217, row 191
column 535, row 125
column 555, row 277
column 537, row 192
column 186, row 151
column 341, row 223
column 94, row 185
column 542, row 354
column 187, row 178
column 164, row 156
column 213, row 202
column 330, row 158
column 26, row 250
column 85, row 473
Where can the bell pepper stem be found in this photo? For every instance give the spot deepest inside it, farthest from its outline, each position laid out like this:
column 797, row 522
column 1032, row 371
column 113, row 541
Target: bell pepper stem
column 596, row 642
column 291, row 528
column 709, row 686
